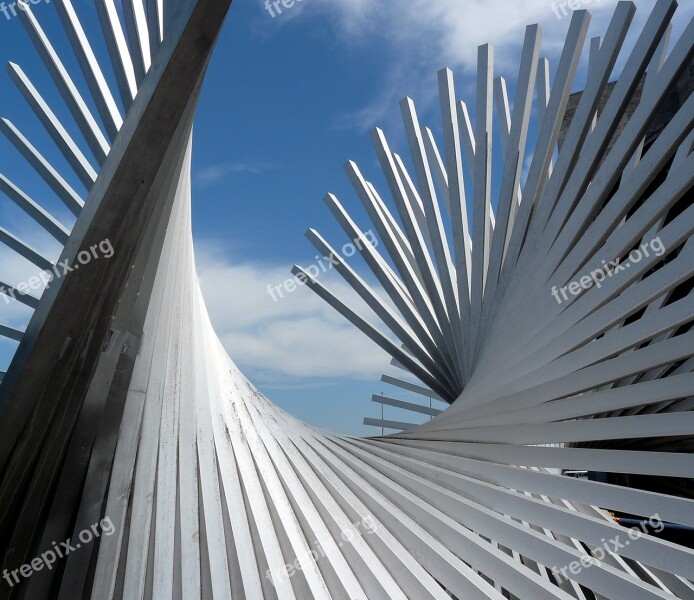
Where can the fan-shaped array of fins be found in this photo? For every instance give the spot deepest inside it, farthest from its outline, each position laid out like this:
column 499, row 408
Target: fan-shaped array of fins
column 121, row 407
column 133, row 37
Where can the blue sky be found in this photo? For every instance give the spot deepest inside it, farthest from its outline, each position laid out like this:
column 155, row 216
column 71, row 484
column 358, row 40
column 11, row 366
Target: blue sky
column 286, row 102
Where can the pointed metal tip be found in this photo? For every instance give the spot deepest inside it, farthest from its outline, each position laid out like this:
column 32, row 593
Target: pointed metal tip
column 330, row 198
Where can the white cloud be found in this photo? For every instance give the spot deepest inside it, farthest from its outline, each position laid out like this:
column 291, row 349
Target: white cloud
column 211, row 174
column 426, row 35
column 445, row 30
column 298, row 335
column 451, row 30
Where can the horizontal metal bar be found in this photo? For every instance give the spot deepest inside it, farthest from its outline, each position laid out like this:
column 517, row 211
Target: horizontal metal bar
column 12, row 292
column 412, row 387
column 418, row 408
column 388, row 424
column 11, row 333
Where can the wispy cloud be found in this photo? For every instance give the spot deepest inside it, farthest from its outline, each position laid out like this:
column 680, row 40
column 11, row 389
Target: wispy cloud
column 382, row 110
column 296, row 336
column 424, row 35
column 450, row 31
column 213, row 174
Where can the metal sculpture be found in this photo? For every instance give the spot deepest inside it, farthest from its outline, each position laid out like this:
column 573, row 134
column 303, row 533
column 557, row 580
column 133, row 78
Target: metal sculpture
column 121, row 406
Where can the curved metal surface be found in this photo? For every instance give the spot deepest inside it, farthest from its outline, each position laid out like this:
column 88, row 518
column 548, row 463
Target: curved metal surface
column 122, row 414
